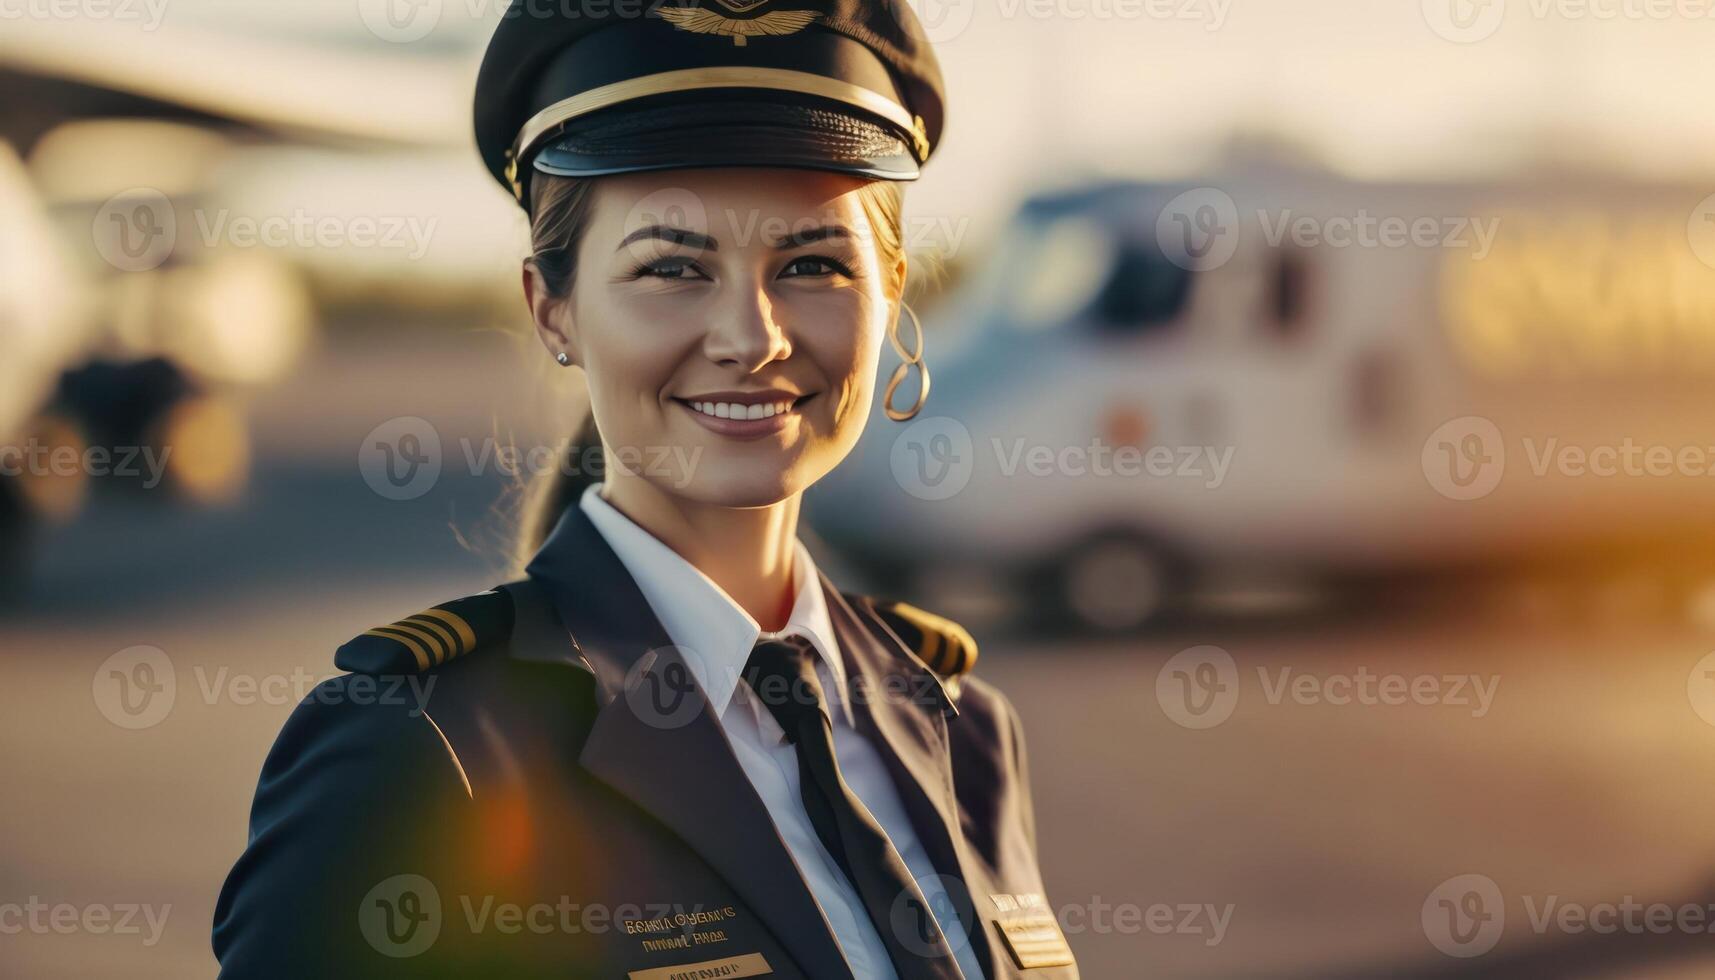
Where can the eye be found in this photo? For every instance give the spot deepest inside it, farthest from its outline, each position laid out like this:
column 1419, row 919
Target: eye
column 661, row 266
column 816, row 265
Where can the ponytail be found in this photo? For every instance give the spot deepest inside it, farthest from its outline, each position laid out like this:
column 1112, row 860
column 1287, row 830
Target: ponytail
column 581, row 465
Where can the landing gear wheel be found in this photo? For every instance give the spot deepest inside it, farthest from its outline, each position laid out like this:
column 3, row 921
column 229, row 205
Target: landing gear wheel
column 1117, row 584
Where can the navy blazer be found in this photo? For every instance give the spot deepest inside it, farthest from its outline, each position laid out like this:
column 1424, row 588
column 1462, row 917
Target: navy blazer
column 529, row 783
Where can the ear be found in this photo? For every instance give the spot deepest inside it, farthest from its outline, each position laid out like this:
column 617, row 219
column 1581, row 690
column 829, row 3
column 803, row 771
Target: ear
column 551, row 314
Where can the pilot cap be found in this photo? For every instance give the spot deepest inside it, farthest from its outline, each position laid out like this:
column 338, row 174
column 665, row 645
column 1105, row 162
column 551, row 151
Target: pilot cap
column 583, row 88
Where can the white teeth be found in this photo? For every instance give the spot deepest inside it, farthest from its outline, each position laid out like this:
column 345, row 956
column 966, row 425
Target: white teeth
column 730, row 410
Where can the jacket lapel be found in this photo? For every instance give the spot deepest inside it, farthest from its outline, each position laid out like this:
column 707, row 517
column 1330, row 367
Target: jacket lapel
column 656, row 740
column 909, row 730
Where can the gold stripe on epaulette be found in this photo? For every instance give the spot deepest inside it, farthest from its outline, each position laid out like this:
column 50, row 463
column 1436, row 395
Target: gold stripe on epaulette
column 438, row 651
column 441, row 633
column 443, row 651
column 929, row 651
column 467, row 636
column 416, row 648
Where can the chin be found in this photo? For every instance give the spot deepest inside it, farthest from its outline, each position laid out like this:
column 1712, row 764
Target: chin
column 735, row 483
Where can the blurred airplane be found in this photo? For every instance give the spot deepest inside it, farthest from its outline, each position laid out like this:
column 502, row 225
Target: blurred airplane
column 1290, row 377
column 182, row 208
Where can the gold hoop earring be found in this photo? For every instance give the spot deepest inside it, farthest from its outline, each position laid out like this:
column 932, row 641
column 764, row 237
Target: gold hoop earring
column 908, row 359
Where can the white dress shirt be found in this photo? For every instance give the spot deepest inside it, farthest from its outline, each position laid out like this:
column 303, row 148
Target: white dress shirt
column 717, row 635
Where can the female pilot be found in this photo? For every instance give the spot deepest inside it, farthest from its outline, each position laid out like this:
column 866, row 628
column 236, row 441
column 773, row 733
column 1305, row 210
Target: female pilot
column 673, row 748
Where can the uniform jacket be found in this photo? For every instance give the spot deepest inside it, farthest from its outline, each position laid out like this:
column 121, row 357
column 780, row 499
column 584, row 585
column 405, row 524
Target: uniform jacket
column 528, row 783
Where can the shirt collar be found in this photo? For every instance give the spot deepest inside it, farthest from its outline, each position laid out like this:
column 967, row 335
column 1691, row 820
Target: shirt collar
column 714, row 632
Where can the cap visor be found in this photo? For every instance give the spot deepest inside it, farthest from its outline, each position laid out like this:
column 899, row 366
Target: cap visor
column 734, row 132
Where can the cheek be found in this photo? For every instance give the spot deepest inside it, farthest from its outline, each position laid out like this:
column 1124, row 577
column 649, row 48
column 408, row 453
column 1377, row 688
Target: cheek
column 630, row 361
column 847, row 354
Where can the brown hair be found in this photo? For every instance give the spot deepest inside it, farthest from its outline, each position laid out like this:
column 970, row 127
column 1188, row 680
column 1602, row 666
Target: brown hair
column 560, row 210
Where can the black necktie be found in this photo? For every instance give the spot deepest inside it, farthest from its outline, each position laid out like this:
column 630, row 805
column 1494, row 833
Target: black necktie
column 783, row 675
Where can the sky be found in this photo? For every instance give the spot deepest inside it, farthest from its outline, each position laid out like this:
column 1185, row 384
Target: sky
column 1043, row 92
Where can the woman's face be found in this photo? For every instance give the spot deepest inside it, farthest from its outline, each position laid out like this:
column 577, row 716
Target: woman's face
column 729, row 321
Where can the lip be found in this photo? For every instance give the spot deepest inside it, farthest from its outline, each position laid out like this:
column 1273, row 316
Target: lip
column 762, row 397
column 745, row 429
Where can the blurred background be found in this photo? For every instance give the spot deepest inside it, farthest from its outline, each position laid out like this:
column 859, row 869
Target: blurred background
column 1321, row 448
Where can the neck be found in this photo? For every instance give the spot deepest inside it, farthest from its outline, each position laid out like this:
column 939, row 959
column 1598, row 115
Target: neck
column 747, row 551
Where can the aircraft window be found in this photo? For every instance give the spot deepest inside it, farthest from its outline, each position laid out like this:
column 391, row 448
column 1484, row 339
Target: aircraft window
column 1058, row 273
column 1287, row 294
column 1143, row 291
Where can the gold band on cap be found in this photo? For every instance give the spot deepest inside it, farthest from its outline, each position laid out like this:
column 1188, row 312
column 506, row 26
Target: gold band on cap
column 691, row 79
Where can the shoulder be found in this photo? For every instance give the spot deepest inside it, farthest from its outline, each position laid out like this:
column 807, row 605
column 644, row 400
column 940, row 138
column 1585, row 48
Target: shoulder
column 433, row 638
column 949, row 649
column 943, row 645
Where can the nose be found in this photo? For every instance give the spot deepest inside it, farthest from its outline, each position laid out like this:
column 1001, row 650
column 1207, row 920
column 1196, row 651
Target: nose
column 746, row 332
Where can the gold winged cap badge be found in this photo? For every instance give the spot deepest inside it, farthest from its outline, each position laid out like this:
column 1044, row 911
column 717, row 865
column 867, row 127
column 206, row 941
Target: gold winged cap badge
column 775, row 23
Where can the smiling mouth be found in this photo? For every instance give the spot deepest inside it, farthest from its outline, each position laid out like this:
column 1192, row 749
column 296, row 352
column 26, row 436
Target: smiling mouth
column 736, row 412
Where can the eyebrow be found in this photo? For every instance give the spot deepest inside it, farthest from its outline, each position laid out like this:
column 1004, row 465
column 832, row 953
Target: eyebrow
column 697, row 240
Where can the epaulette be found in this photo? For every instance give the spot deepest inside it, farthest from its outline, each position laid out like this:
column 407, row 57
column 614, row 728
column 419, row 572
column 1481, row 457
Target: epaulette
column 946, row 647
column 432, row 637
